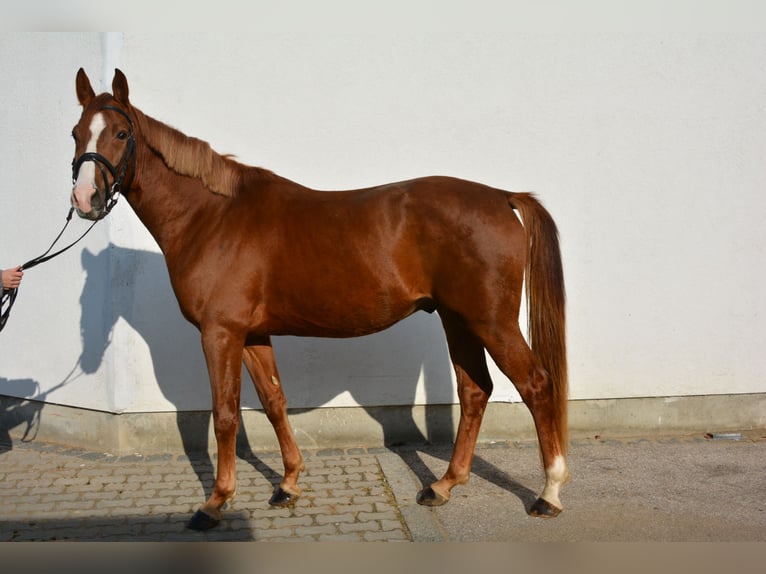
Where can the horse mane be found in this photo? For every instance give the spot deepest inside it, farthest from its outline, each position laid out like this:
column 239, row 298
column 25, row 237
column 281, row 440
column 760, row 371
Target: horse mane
column 193, row 157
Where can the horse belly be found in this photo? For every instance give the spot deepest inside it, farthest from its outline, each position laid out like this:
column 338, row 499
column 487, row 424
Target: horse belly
column 345, row 301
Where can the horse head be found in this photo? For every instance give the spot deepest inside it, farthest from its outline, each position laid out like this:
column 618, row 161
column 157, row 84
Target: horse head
column 105, row 147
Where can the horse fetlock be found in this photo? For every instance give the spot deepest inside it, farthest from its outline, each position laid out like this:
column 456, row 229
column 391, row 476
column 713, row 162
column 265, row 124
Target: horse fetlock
column 294, row 467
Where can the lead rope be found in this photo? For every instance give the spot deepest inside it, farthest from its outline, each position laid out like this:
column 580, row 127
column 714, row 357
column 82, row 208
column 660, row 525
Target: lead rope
column 9, row 295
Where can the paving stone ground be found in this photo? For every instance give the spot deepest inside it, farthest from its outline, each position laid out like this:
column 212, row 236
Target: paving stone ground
column 49, row 492
column 685, row 488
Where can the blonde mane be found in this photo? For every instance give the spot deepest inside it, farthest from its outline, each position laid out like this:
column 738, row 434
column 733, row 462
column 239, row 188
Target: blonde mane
column 191, row 157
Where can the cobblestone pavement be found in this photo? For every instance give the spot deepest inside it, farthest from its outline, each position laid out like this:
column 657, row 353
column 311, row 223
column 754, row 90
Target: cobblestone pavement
column 660, row 489
column 49, row 492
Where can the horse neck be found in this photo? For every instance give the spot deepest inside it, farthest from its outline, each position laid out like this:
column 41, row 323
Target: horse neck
column 171, row 206
column 177, row 208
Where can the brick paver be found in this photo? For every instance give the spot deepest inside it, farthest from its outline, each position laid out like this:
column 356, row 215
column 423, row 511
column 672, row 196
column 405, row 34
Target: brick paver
column 56, row 493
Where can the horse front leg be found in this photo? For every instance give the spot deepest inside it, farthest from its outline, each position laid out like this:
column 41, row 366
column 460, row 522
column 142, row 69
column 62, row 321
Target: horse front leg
column 260, row 363
column 223, row 353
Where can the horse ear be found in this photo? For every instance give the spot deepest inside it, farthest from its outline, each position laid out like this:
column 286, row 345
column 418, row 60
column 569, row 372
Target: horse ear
column 86, row 258
column 120, row 87
column 85, row 92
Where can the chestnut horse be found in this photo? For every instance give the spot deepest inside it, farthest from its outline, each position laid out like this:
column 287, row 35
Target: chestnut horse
column 251, row 254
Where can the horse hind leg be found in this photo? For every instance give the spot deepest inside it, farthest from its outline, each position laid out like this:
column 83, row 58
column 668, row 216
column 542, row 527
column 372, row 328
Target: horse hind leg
column 474, row 387
column 514, row 357
column 261, row 364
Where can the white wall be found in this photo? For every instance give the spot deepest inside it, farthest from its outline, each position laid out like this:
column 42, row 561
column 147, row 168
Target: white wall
column 646, row 148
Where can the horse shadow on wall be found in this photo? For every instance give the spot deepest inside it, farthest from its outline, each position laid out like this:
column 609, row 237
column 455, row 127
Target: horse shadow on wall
column 384, row 368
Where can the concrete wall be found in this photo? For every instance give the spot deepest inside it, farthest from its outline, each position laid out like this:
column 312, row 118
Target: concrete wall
column 646, row 148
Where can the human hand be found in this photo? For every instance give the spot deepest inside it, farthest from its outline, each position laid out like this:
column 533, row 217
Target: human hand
column 12, row 277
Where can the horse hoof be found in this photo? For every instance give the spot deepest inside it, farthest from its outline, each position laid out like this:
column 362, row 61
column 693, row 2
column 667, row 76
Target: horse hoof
column 429, row 497
column 282, row 498
column 201, row 521
column 544, row 509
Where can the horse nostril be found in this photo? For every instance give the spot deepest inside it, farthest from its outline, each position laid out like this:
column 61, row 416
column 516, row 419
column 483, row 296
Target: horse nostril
column 96, row 201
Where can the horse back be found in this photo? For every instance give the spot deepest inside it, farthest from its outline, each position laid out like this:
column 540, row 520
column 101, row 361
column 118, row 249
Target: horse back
column 354, row 262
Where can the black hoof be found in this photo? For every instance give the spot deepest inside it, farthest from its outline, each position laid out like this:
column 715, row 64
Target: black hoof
column 544, row 509
column 429, row 497
column 282, row 497
column 201, row 521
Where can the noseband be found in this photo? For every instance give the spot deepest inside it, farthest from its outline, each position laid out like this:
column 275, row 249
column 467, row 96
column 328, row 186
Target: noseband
column 118, row 173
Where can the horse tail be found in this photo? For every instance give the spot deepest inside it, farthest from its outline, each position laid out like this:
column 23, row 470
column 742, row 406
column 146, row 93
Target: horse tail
column 546, row 299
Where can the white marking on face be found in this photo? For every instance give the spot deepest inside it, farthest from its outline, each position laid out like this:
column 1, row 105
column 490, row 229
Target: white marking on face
column 556, row 475
column 85, row 185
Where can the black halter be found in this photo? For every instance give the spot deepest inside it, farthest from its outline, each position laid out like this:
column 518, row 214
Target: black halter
column 118, row 173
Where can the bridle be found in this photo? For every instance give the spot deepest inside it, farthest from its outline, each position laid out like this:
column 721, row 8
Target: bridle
column 118, row 174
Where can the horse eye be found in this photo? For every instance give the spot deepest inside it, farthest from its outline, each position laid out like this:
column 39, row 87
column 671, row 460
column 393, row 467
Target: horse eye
column 122, row 135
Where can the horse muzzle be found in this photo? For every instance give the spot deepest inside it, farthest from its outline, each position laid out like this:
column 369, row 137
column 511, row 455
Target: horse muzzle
column 88, row 202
